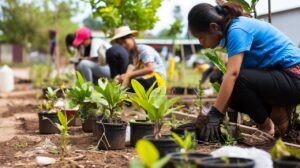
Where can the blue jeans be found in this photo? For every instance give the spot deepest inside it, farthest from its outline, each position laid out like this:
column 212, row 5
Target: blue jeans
column 92, row 71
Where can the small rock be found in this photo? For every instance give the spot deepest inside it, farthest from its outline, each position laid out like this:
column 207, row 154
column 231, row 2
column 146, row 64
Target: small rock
column 41, row 160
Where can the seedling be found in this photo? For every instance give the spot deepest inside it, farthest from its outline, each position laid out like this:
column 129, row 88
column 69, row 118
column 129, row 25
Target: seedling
column 79, row 95
column 280, row 151
column 187, row 143
column 48, row 105
column 63, row 128
column 148, row 156
column 112, row 95
column 155, row 103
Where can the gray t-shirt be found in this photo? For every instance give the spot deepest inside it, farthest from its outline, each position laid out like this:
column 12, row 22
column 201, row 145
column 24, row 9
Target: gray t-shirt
column 148, row 54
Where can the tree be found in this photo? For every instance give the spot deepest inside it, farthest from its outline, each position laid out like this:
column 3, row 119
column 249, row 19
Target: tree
column 28, row 23
column 137, row 14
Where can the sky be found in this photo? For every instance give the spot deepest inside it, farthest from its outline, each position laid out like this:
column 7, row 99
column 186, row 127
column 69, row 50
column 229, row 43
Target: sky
column 166, row 15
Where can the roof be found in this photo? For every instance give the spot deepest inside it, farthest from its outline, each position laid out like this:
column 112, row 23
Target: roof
column 280, row 11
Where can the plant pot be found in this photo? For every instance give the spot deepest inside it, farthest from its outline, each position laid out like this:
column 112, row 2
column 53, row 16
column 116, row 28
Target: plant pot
column 191, row 90
column 71, row 114
column 177, row 90
column 88, row 124
column 227, row 162
column 46, row 126
column 189, row 127
column 139, row 130
column 182, row 159
column 164, row 145
column 115, row 134
column 97, row 128
column 280, row 163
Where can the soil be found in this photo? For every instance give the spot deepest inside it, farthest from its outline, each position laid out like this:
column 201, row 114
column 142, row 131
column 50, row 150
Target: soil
column 20, row 141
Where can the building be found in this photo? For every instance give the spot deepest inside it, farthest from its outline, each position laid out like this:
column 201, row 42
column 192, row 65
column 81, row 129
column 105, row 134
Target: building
column 286, row 21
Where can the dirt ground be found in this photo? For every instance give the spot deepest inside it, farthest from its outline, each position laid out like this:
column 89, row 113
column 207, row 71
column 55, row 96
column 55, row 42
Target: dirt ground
column 20, row 141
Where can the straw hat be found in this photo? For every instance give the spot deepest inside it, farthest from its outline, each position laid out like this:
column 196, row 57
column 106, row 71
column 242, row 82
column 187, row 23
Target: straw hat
column 123, row 31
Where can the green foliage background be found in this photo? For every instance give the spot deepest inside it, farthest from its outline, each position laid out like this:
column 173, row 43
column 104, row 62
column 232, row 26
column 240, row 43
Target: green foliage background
column 28, row 22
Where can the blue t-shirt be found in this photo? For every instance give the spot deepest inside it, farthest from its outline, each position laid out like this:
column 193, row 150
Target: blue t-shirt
column 264, row 46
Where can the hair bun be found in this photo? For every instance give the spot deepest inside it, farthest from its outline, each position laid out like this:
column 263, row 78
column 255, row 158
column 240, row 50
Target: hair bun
column 219, row 9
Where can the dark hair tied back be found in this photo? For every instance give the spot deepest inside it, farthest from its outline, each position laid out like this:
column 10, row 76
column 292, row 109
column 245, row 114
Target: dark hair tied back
column 219, row 9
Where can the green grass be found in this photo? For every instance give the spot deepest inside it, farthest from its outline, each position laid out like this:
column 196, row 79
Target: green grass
column 190, row 78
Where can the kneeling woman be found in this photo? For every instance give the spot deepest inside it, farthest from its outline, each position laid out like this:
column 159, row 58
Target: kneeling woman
column 263, row 70
column 147, row 64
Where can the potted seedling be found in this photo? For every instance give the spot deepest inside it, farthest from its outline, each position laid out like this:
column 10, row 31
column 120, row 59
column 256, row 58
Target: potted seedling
column 148, row 156
column 227, row 162
column 284, row 156
column 47, row 114
column 140, row 128
column 157, row 106
column 87, row 110
column 186, row 157
column 112, row 128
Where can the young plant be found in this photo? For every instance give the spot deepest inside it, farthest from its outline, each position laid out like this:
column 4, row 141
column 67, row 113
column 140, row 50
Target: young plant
column 155, row 103
column 80, row 95
column 212, row 55
column 148, row 156
column 280, row 151
column 48, row 105
column 63, row 128
column 113, row 95
column 187, row 143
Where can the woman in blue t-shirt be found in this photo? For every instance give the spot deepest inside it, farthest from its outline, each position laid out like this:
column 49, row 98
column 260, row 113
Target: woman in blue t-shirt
column 263, row 70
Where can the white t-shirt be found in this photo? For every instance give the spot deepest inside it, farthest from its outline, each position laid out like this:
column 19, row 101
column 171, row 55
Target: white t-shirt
column 98, row 49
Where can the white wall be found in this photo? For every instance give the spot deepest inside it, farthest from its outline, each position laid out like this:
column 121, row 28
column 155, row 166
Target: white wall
column 288, row 22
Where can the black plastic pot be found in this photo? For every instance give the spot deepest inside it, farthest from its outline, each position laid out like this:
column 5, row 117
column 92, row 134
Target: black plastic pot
column 177, row 90
column 115, row 134
column 278, row 163
column 88, row 124
column 139, row 130
column 189, row 127
column 191, row 90
column 164, row 145
column 183, row 159
column 227, row 162
column 96, row 127
column 47, row 123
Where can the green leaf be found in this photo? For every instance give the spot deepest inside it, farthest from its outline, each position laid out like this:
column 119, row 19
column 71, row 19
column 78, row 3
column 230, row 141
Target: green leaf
column 138, row 89
column 62, row 118
column 179, row 141
column 280, row 151
column 150, row 90
column 135, row 163
column 160, row 163
column 79, row 78
column 243, row 3
column 147, row 152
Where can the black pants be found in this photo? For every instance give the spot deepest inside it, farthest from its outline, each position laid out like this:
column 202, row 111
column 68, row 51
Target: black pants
column 118, row 60
column 256, row 91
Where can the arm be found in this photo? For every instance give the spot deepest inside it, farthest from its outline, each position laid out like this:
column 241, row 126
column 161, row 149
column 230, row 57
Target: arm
column 148, row 68
column 233, row 69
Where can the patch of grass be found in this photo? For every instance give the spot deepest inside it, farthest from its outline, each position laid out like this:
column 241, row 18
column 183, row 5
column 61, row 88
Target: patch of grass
column 19, row 146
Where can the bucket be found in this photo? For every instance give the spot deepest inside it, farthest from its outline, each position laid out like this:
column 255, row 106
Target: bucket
column 7, row 79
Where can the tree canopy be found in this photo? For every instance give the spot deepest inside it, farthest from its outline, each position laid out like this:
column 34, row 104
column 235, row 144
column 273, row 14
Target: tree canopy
column 28, row 23
column 138, row 14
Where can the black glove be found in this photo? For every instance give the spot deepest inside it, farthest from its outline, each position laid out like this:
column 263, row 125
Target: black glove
column 211, row 131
